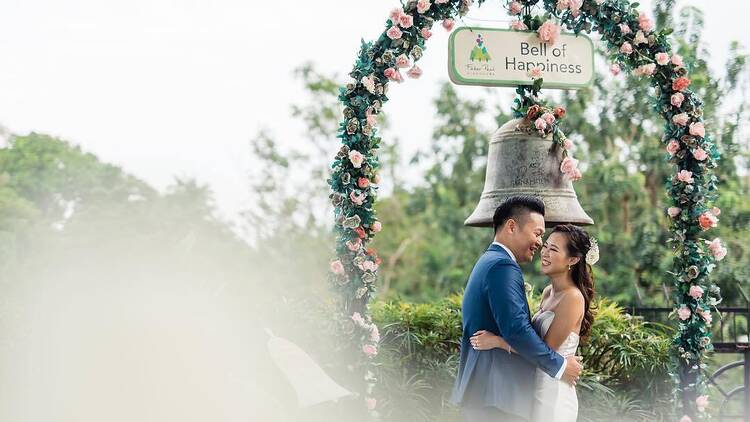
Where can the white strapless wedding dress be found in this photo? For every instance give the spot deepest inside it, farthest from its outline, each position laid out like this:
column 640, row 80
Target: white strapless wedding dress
column 554, row 400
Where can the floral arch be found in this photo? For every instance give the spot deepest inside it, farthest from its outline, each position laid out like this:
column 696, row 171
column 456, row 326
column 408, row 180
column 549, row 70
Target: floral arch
column 635, row 46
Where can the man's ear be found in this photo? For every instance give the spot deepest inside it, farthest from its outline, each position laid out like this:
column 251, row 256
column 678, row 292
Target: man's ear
column 512, row 225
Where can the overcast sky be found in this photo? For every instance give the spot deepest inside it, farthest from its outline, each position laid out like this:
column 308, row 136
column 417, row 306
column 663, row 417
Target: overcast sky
column 169, row 88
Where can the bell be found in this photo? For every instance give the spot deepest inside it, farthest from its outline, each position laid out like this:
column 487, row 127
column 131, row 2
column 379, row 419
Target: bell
column 520, row 162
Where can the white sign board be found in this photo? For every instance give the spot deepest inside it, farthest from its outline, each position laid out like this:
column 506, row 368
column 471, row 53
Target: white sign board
column 503, row 57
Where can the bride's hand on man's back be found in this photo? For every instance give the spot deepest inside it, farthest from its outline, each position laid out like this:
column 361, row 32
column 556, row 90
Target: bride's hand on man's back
column 485, row 340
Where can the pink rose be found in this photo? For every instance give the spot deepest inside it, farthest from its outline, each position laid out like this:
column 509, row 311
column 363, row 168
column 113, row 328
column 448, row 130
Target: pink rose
column 677, row 99
column 701, row 402
column 354, row 245
column 697, row 129
column 615, row 69
column 395, row 15
column 391, row 73
column 415, row 72
column 716, row 211
column 406, row 21
column 448, row 24
column 717, row 249
column 549, row 32
column 518, row 26
column 540, row 124
column 426, row 33
column 575, row 6
column 337, row 267
column 363, row 182
column 372, row 119
column 377, row 227
column 645, row 23
column 402, row 61
column 358, row 199
column 700, row 154
column 576, row 176
column 370, row 350
column 568, row 144
column 356, row 158
column 569, row 165
column 696, row 292
column 707, row 220
column 515, row 8
column 423, row 6
column 624, row 28
column 535, row 72
column 662, row 58
column 673, row 146
column 357, row 318
column 680, row 84
column 374, row 334
column 640, row 38
column 685, row 176
column 360, row 232
column 626, row 48
column 394, row 33
column 371, row 403
column 368, row 266
column 563, row 4
column 645, row 70
column 680, row 119
column 684, row 313
column 706, row 315
column 674, row 211
column 677, row 60
column 548, row 118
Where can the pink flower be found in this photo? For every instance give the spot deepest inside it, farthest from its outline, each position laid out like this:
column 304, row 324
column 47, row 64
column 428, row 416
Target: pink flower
column 395, row 15
column 363, row 182
column 448, row 24
column 674, row 211
column 354, row 245
column 394, row 33
column 696, row 292
column 706, row 315
column 370, row 350
column 371, row 403
column 368, row 266
column 677, row 99
column 535, row 72
column 563, row 4
column 685, row 176
column 426, row 33
column 645, row 70
column 415, row 72
column 640, row 38
column 662, row 58
column 624, row 28
column 568, row 144
column 680, row 119
column 576, row 176
column 372, row 119
column 402, row 61
column 700, row 154
column 549, row 32
column 680, row 83
column 707, row 220
column 540, row 124
column 645, row 23
column 626, row 48
column 357, row 318
column 356, row 158
column 686, row 418
column 684, row 313
column 423, row 6
column 697, row 129
column 677, row 60
column 406, row 21
column 337, row 267
column 672, row 147
column 360, row 232
column 548, row 118
column 515, row 8
column 391, row 73
column 377, row 227
column 569, row 165
column 374, row 334
column 518, row 26
column 701, row 402
column 356, row 198
column 716, row 211
column 615, row 69
column 717, row 249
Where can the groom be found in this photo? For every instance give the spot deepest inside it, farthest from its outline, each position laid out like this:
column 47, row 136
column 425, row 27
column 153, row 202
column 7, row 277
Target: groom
column 495, row 385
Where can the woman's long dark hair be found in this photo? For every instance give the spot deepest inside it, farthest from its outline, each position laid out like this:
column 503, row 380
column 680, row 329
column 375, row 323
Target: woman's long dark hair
column 579, row 244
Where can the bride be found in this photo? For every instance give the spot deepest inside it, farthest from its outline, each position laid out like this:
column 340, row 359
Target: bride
column 565, row 316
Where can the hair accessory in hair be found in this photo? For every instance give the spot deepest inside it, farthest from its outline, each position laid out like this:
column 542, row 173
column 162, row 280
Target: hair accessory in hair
column 592, row 256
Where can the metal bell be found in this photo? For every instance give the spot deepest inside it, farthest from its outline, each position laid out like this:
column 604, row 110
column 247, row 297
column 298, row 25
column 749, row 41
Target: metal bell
column 520, row 162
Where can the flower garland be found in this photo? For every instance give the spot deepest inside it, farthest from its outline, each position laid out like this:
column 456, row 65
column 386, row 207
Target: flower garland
column 635, row 46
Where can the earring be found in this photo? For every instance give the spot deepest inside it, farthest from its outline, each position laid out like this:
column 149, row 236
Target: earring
column 568, row 267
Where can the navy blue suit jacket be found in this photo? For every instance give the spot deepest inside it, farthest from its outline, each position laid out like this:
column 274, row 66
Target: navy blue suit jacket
column 495, row 300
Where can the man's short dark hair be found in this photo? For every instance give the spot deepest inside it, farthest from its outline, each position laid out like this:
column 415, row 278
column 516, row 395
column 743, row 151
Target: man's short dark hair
column 516, row 207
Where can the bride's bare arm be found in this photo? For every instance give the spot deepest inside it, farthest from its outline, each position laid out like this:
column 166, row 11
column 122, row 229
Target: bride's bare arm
column 568, row 316
column 485, row 340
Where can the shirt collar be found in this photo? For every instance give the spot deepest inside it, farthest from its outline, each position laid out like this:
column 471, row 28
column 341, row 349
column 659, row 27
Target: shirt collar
column 506, row 249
